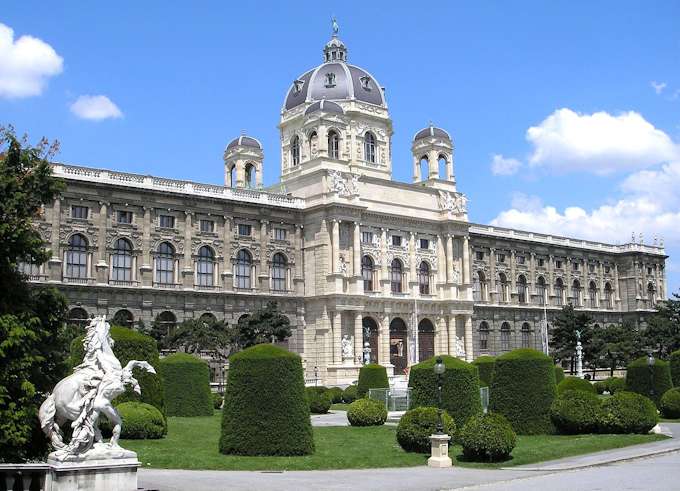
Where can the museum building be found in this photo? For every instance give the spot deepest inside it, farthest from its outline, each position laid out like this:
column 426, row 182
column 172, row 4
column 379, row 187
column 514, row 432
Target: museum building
column 354, row 258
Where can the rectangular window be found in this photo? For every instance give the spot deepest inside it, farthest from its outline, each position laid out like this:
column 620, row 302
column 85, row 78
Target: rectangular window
column 244, row 230
column 541, row 262
column 520, row 259
column 166, row 221
column 479, row 255
column 606, row 269
column 424, row 244
column 79, row 212
column 500, row 258
column 591, row 268
column 574, row 266
column 124, row 217
column 280, row 234
column 366, row 237
column 558, row 264
column 396, row 240
column 649, row 270
column 207, row 226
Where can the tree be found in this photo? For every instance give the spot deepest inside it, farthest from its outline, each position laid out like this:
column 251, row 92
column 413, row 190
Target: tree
column 33, row 345
column 613, row 346
column 563, row 340
column 265, row 325
column 196, row 335
column 663, row 328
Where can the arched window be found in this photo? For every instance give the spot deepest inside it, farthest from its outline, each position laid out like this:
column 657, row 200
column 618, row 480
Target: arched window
column 592, row 295
column 205, row 267
column 505, row 287
column 442, row 161
column 121, row 261
column 505, row 337
column 424, row 168
column 483, row 336
column 396, row 276
column 424, row 278
column 608, row 296
column 208, row 318
column 367, row 268
column 78, row 317
column 123, row 318
column 250, row 175
column 244, row 264
column 651, row 294
column 540, row 290
column 313, row 143
column 76, row 257
column 576, row 292
column 559, row 292
column 295, row 150
column 333, row 145
column 279, row 267
column 369, row 147
column 165, row 264
column 526, row 335
column 166, row 321
column 232, row 176
column 522, row 289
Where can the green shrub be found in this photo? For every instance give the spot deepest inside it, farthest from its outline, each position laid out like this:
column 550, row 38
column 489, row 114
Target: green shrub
column 186, row 379
column 371, row 376
column 319, row 399
column 576, row 411
column 487, row 437
column 615, row 384
column 670, row 404
column 638, row 378
column 336, row 394
column 460, row 387
column 600, row 387
column 628, row 412
column 416, row 426
column 559, row 374
column 349, row 395
column 265, row 409
column 523, row 389
column 217, row 401
column 141, row 421
column 674, row 361
column 132, row 345
column 575, row 383
column 367, row 412
column 485, row 364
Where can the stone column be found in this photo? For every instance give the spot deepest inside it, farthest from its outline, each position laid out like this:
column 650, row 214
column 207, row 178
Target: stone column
column 188, row 269
column 617, row 297
column 492, row 271
column 513, row 286
column 441, row 337
column 469, row 356
column 451, row 324
column 551, row 277
column 466, row 260
column 384, row 341
column 264, row 264
column 356, row 250
column 145, row 270
column 412, row 263
column 337, row 337
column 56, row 263
column 532, row 272
column 102, row 265
column 227, row 271
column 449, row 258
column 384, row 275
column 416, row 169
column 359, row 337
column 433, row 165
column 449, row 168
column 441, row 260
column 298, row 275
column 335, row 244
column 567, row 287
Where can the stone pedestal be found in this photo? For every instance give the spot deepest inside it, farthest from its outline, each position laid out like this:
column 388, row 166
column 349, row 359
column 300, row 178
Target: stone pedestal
column 439, row 451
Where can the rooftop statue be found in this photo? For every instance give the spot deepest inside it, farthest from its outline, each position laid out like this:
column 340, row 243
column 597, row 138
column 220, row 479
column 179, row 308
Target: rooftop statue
column 86, row 394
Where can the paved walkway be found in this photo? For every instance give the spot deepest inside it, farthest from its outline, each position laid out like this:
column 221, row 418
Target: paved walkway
column 333, row 418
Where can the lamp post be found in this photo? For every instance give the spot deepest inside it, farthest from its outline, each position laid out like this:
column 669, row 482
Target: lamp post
column 439, row 369
column 650, row 363
column 439, row 441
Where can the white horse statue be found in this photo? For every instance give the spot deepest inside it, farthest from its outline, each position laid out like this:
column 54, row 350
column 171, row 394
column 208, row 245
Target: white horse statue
column 87, row 393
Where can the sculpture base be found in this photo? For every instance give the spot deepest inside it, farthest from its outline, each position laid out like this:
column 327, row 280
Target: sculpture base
column 440, row 451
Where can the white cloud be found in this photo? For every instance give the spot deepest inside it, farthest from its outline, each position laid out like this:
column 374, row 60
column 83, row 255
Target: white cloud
column 25, row 64
column 95, row 107
column 658, row 86
column 503, row 166
column 598, row 143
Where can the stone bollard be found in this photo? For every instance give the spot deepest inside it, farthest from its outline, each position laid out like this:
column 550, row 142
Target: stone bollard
column 439, row 451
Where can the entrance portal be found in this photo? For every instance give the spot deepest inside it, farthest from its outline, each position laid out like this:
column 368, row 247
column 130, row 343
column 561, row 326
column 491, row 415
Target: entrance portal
column 398, row 345
column 370, row 328
column 425, row 340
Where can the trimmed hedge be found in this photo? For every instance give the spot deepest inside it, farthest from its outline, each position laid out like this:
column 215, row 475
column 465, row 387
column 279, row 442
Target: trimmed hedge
column 371, row 376
column 559, row 374
column 460, row 387
column 628, row 412
column 265, row 410
column 349, row 395
column 319, row 399
column 141, row 421
column 487, row 437
column 575, row 383
column 367, row 412
column 523, row 390
column 638, row 378
column 186, row 379
column 485, row 364
column 674, row 360
column 132, row 345
column 600, row 387
column 670, row 404
column 416, row 426
column 576, row 411
column 336, row 394
column 615, row 384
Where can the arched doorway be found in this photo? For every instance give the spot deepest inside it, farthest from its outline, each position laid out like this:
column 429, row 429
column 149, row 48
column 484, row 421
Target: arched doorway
column 370, row 328
column 78, row 317
column 398, row 345
column 123, row 318
column 425, row 340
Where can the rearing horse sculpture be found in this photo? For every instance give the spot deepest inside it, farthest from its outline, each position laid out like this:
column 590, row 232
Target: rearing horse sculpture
column 87, row 393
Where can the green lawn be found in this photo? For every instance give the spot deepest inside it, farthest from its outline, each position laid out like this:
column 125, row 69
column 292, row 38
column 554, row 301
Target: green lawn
column 192, row 444
column 340, row 407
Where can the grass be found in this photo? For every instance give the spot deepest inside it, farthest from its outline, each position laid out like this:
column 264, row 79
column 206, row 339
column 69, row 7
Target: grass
column 341, row 406
column 192, row 444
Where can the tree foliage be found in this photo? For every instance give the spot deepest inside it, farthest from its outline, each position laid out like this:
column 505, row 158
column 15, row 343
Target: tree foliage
column 265, row 325
column 196, row 335
column 614, row 345
column 663, row 328
column 563, row 335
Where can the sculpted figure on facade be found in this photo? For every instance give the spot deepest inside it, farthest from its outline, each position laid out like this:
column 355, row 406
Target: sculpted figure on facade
column 452, row 202
column 85, row 395
column 347, row 344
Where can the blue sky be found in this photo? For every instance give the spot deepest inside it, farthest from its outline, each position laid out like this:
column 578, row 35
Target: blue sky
column 576, row 103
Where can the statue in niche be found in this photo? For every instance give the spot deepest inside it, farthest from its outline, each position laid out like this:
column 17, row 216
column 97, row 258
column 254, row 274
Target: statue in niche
column 347, row 345
column 343, row 265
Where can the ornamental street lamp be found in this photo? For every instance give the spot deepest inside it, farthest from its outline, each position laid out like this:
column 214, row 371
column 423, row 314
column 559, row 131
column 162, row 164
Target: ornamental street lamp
column 650, row 364
column 439, row 369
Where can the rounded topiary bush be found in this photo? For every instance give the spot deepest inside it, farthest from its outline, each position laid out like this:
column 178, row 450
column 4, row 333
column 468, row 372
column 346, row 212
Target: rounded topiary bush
column 639, row 380
column 487, row 437
column 132, row 345
column 523, row 390
column 217, row 401
column 628, row 412
column 615, row 384
column 485, row 364
column 141, row 421
column 335, row 394
column 349, row 395
column 600, row 387
column 265, row 408
column 371, row 376
column 559, row 374
column 367, row 412
column 575, row 383
column 670, row 404
column 186, row 379
column 674, row 361
column 319, row 399
column 576, row 411
column 416, row 426
column 460, row 387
